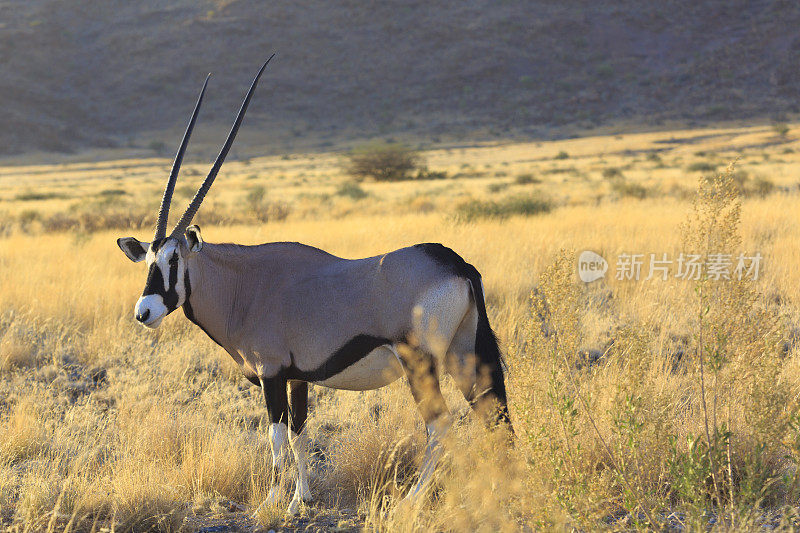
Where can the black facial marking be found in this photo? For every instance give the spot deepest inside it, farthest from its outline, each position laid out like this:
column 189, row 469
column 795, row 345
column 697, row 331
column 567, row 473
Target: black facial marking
column 157, row 244
column 171, row 298
column 351, row 352
column 155, row 283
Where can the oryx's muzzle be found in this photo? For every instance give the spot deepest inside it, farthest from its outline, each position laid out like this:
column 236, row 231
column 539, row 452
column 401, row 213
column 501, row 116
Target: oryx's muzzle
column 150, row 310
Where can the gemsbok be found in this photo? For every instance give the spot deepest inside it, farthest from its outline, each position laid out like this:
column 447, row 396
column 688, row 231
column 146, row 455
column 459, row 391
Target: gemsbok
column 291, row 314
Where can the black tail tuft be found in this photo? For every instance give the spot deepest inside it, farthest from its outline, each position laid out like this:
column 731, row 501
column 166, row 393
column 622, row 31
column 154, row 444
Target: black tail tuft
column 488, row 352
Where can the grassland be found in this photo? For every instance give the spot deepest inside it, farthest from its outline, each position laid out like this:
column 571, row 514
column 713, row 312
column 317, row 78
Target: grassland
column 637, row 404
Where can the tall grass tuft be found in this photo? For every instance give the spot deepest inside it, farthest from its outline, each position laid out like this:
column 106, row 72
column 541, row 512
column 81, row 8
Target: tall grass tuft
column 514, row 205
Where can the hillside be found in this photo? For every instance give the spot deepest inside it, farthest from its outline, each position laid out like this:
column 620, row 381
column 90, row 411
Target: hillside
column 92, row 74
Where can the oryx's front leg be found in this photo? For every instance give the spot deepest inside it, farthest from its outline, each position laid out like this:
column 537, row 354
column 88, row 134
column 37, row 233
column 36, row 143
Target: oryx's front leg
column 282, row 437
column 278, row 410
column 298, row 440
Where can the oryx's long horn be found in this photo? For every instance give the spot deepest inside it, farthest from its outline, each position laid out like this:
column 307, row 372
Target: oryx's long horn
column 163, row 211
column 183, row 223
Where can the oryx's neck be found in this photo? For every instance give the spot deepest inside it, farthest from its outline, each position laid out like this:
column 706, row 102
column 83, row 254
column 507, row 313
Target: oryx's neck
column 212, row 278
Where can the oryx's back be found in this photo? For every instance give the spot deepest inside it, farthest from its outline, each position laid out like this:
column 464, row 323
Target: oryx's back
column 376, row 294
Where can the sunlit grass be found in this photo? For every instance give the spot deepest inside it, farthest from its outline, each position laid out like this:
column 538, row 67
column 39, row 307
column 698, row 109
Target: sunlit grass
column 103, row 421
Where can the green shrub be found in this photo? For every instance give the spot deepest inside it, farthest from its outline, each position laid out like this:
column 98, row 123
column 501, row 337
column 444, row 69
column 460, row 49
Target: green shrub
column 352, row 190
column 255, row 198
column 702, row 166
column 654, row 157
column 33, row 196
column 763, row 186
column 562, row 155
column 515, row 205
column 781, row 129
column 425, row 174
column 740, row 178
column 561, row 170
column 259, row 208
column 158, row 147
column 273, row 212
column 384, row 162
column 185, row 191
column 632, row 190
column 28, row 216
column 525, row 179
column 612, row 172
column 112, row 192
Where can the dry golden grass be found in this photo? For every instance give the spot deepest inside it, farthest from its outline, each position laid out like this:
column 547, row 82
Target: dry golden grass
column 105, row 424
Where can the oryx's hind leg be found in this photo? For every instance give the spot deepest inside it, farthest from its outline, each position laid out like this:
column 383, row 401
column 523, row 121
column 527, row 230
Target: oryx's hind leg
column 423, row 379
column 475, row 362
column 299, row 442
column 436, row 319
column 461, row 362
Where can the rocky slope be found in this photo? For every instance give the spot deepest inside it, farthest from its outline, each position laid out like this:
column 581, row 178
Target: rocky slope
column 89, row 74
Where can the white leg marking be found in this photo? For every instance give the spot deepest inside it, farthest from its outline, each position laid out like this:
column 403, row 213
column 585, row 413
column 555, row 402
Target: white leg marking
column 301, row 446
column 433, row 451
column 278, row 443
column 273, row 497
column 278, row 439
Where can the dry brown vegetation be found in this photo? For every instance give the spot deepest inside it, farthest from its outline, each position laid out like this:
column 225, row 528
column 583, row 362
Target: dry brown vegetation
column 649, row 404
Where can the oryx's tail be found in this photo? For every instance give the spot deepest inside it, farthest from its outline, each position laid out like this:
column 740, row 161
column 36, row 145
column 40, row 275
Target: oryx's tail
column 488, row 351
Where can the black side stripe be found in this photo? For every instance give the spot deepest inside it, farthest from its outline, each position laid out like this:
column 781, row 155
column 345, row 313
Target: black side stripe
column 351, row 352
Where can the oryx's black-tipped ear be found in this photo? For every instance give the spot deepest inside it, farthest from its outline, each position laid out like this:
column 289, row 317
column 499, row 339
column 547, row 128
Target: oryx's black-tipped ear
column 194, row 238
column 133, row 248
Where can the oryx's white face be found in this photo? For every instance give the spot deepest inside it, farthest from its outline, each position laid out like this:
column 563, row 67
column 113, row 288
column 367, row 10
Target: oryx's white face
column 166, row 286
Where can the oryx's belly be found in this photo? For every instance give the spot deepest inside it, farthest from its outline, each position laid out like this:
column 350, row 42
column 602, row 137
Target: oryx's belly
column 376, row 369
